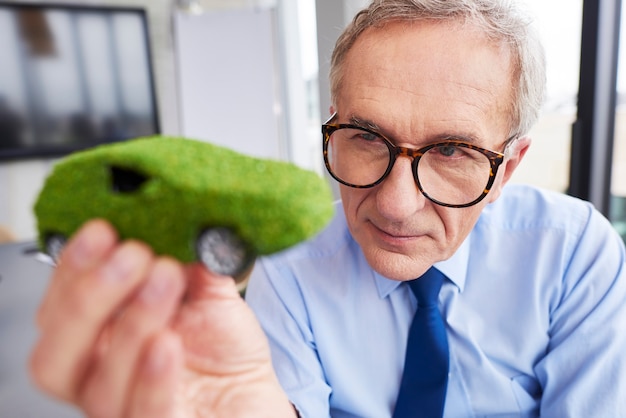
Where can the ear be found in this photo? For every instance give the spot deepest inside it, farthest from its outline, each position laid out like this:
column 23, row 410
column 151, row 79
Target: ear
column 520, row 147
column 331, row 110
column 516, row 154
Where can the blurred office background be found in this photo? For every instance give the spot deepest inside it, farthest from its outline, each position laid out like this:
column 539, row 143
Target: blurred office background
column 252, row 74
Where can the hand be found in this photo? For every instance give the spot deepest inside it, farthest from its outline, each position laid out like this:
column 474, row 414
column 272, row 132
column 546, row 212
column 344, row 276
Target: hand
column 127, row 334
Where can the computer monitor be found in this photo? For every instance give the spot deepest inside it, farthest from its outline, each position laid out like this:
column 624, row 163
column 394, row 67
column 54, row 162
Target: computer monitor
column 73, row 77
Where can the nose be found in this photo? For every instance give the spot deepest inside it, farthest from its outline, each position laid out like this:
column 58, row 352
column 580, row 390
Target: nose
column 398, row 197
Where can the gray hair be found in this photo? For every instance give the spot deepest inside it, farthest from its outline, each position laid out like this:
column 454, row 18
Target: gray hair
column 500, row 20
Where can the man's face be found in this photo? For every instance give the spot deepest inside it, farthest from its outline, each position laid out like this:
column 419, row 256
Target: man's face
column 417, row 84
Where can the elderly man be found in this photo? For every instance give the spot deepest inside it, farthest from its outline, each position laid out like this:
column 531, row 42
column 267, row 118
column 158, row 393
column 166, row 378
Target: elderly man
column 436, row 290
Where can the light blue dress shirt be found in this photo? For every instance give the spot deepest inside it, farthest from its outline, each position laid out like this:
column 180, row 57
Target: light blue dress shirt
column 535, row 309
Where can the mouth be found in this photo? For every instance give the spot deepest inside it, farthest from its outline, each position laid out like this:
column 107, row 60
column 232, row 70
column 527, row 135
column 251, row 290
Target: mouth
column 394, row 236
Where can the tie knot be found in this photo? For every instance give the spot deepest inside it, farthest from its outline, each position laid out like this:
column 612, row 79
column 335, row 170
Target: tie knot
column 426, row 287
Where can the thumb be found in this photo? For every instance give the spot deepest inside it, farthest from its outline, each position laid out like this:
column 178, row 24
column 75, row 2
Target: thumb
column 204, row 285
column 218, row 329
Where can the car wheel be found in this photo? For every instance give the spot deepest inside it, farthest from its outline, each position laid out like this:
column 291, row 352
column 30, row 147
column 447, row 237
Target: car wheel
column 54, row 245
column 223, row 252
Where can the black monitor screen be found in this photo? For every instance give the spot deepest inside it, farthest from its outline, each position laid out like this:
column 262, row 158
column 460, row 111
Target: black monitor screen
column 73, row 77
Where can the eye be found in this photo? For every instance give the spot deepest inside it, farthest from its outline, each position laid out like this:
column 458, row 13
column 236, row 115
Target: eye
column 447, row 150
column 453, row 151
column 367, row 136
column 126, row 180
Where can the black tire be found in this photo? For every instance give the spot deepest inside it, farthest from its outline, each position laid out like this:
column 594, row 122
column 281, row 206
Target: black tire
column 54, row 245
column 223, row 252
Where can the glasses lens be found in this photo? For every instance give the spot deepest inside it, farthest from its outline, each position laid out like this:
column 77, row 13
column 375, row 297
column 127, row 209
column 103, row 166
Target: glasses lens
column 357, row 157
column 448, row 173
column 453, row 174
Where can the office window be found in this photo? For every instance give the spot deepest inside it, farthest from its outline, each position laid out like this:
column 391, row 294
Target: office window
column 307, row 32
column 618, row 180
column 547, row 162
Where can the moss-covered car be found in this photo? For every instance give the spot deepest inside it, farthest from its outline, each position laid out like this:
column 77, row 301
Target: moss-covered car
column 189, row 199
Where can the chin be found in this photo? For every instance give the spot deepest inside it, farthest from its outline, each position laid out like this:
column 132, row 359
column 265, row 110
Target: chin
column 396, row 266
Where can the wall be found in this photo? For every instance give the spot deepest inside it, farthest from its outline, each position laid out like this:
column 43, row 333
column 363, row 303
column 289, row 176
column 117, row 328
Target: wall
column 20, row 181
column 221, row 99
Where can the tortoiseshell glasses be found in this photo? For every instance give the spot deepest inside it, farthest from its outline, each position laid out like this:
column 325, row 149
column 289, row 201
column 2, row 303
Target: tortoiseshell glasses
column 450, row 173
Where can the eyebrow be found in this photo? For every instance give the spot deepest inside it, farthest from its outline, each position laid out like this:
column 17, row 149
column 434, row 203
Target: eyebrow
column 364, row 123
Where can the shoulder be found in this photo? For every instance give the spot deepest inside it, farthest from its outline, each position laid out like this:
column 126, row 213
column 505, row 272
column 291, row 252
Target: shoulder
column 524, row 207
column 531, row 220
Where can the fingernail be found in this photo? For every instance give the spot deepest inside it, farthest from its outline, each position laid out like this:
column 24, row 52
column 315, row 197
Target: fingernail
column 82, row 251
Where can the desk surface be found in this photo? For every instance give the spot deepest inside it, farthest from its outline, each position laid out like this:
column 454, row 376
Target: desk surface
column 23, row 281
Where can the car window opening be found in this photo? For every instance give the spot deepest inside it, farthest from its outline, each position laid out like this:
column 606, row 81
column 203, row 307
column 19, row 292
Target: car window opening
column 125, row 180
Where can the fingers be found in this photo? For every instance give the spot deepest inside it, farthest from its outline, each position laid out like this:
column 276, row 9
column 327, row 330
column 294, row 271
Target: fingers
column 158, row 379
column 147, row 314
column 90, row 246
column 93, row 279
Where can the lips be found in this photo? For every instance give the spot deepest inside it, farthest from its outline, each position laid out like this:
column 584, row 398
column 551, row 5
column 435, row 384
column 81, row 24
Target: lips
column 393, row 234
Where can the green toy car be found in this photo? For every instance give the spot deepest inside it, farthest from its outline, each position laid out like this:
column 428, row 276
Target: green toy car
column 189, row 199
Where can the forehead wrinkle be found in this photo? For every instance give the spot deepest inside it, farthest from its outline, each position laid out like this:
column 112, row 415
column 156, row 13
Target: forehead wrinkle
column 482, row 96
column 482, row 99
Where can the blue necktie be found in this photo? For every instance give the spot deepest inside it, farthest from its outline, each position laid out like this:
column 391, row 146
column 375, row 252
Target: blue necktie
column 425, row 376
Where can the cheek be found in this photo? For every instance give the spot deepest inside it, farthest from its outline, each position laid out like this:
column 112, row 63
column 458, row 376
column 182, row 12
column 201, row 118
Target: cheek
column 457, row 224
column 352, row 199
column 467, row 222
column 355, row 203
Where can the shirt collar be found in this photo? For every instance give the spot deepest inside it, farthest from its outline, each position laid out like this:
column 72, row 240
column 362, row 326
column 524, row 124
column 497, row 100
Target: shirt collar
column 455, row 269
